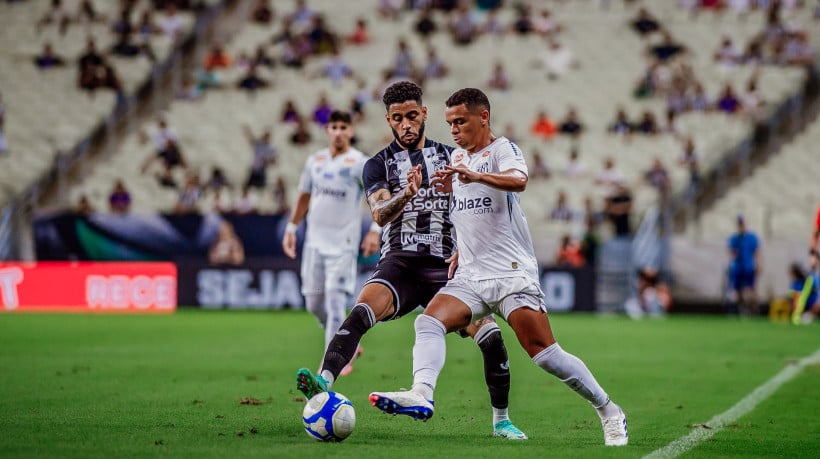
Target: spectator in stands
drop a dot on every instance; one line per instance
(217, 58)
(361, 33)
(290, 114)
(743, 267)
(522, 25)
(403, 62)
(799, 51)
(322, 110)
(539, 169)
(658, 178)
(610, 178)
(119, 200)
(569, 254)
(90, 63)
(301, 135)
(170, 23)
(425, 25)
(464, 28)
(251, 81)
(621, 124)
(227, 248)
(590, 241)
(302, 15)
(617, 208)
(752, 102)
(728, 102)
(188, 89)
(575, 167)
(217, 180)
(389, 9)
(264, 155)
(84, 206)
(146, 28)
(667, 48)
(647, 124)
(699, 101)
(280, 196)
(165, 178)
(189, 195)
(322, 39)
(499, 79)
(561, 211)
(220, 201)
(545, 24)
(492, 24)
(435, 67)
(543, 126)
(47, 59)
(56, 14)
(336, 69)
(169, 155)
(262, 59)
(645, 24)
(557, 60)
(754, 53)
(728, 55)
(293, 53)
(262, 12)
(246, 203)
(571, 125)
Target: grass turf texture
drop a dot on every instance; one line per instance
(146, 386)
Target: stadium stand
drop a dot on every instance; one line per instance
(611, 60)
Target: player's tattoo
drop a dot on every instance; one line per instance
(384, 207)
(483, 321)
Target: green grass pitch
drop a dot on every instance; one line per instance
(149, 386)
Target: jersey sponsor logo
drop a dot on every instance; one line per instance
(320, 158)
(438, 164)
(344, 173)
(350, 160)
(325, 191)
(428, 199)
(484, 168)
(457, 158)
(415, 238)
(328, 175)
(476, 206)
(486, 153)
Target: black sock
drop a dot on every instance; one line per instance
(343, 346)
(496, 366)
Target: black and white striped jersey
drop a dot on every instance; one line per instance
(424, 227)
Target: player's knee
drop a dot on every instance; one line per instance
(360, 319)
(425, 324)
(487, 331)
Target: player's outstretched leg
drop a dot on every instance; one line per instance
(406, 402)
(310, 384)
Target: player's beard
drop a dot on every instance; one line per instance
(410, 146)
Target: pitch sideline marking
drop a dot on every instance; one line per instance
(747, 404)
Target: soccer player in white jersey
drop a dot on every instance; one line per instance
(497, 271)
(417, 246)
(330, 194)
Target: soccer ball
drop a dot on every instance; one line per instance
(329, 416)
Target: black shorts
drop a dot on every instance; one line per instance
(413, 280)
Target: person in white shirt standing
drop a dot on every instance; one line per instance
(497, 270)
(330, 197)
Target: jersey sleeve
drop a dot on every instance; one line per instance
(509, 156)
(305, 182)
(374, 175)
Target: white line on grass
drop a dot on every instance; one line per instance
(717, 423)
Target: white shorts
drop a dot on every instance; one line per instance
(500, 296)
(322, 273)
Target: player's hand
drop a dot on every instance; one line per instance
(465, 175)
(442, 181)
(289, 244)
(413, 181)
(453, 260)
(370, 244)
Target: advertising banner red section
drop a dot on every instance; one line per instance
(88, 287)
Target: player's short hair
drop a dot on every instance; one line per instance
(402, 91)
(472, 98)
(340, 116)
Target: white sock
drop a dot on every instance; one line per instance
(335, 307)
(574, 373)
(500, 414)
(328, 376)
(429, 353)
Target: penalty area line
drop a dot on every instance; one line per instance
(747, 404)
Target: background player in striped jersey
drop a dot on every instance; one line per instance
(330, 196)
(417, 245)
(497, 272)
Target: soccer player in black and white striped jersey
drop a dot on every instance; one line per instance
(417, 249)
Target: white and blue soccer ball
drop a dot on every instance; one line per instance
(329, 416)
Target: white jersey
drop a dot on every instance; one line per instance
(334, 218)
(492, 235)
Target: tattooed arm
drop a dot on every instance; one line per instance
(385, 207)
